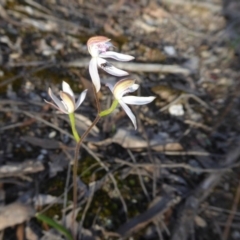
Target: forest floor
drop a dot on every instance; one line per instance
(177, 176)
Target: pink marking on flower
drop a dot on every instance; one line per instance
(98, 47)
(98, 44)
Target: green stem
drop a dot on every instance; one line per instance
(109, 110)
(73, 126)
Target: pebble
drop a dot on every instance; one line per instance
(52, 134)
(176, 110)
(170, 51)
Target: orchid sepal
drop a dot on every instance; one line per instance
(129, 112)
(93, 71)
(109, 68)
(134, 100)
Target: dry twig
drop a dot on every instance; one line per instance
(231, 216)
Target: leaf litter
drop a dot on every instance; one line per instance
(170, 179)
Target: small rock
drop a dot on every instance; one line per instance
(176, 110)
(170, 51)
(52, 134)
(205, 54)
(200, 222)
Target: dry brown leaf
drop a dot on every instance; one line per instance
(27, 167)
(44, 199)
(159, 142)
(42, 142)
(15, 213)
(129, 140)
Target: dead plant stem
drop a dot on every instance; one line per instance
(231, 216)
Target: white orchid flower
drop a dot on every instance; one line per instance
(67, 104)
(98, 48)
(127, 86)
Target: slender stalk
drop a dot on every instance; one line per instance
(76, 155)
(73, 126)
(79, 143)
(77, 149)
(109, 110)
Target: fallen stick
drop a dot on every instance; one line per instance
(27, 167)
(136, 67)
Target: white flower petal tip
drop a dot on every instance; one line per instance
(67, 103)
(81, 98)
(123, 87)
(133, 100)
(66, 88)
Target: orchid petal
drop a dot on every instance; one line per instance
(137, 100)
(94, 74)
(80, 99)
(93, 50)
(68, 102)
(109, 68)
(115, 71)
(59, 104)
(129, 112)
(116, 56)
(53, 105)
(66, 88)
